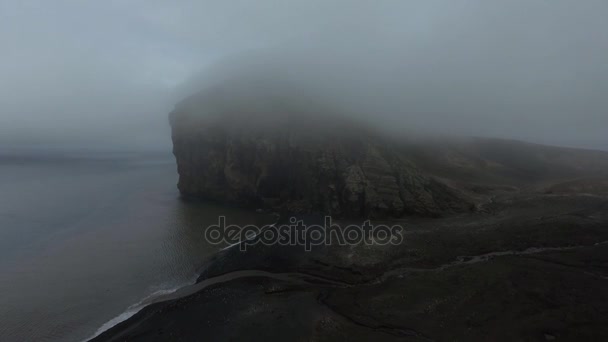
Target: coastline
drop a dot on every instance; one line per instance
(402, 292)
(162, 295)
(154, 297)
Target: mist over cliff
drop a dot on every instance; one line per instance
(468, 71)
(102, 73)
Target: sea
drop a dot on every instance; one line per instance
(88, 238)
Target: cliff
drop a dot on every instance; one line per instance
(296, 156)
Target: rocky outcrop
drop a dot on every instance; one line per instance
(276, 155)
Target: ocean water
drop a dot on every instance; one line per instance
(86, 241)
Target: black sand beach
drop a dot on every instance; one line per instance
(506, 273)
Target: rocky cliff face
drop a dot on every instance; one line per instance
(279, 156)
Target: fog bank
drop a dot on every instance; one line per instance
(107, 73)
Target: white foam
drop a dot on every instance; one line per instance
(152, 298)
(133, 309)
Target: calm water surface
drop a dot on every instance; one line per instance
(85, 242)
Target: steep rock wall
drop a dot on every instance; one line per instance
(299, 163)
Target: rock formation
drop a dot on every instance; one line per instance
(296, 156)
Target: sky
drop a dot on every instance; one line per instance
(107, 73)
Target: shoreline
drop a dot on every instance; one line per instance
(460, 266)
(162, 295)
(133, 309)
(196, 286)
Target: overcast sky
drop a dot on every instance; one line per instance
(104, 73)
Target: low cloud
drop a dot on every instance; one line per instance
(107, 73)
